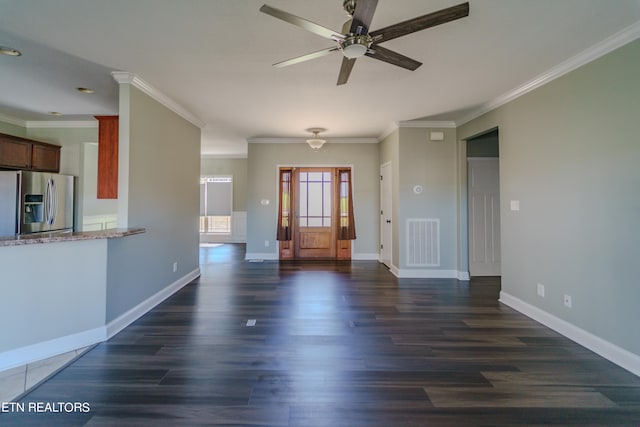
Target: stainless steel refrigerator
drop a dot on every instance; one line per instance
(35, 202)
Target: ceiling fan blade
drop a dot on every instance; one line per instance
(394, 58)
(420, 23)
(306, 57)
(363, 15)
(345, 70)
(302, 23)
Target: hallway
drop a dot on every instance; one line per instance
(335, 344)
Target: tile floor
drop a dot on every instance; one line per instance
(16, 381)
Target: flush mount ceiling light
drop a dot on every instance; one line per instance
(316, 143)
(4, 50)
(55, 113)
(85, 90)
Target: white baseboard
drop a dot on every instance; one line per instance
(394, 270)
(411, 273)
(43, 350)
(261, 256)
(463, 275)
(609, 351)
(365, 257)
(125, 319)
(46, 349)
(428, 274)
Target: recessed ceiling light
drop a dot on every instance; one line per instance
(85, 90)
(9, 51)
(55, 113)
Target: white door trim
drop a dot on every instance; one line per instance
(386, 214)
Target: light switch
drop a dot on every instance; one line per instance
(515, 205)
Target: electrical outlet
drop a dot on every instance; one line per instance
(541, 290)
(567, 301)
(175, 267)
(266, 243)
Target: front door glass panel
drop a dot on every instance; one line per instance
(315, 199)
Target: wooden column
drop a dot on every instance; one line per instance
(107, 157)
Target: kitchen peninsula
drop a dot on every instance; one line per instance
(55, 292)
(39, 238)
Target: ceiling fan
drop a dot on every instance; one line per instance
(356, 40)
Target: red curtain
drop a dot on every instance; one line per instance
(284, 206)
(347, 229)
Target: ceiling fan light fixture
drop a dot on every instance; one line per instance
(355, 46)
(316, 143)
(354, 51)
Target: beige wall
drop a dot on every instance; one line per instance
(416, 160)
(11, 129)
(569, 152)
(161, 187)
(263, 162)
(432, 165)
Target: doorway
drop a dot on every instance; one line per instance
(385, 214)
(315, 234)
(483, 185)
(317, 205)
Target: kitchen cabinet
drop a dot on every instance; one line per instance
(45, 158)
(26, 154)
(108, 128)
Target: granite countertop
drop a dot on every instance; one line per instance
(69, 236)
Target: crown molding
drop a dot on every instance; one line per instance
(388, 131)
(62, 124)
(415, 124)
(138, 83)
(12, 121)
(287, 140)
(123, 77)
(427, 124)
(617, 40)
(34, 124)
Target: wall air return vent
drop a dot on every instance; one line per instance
(423, 242)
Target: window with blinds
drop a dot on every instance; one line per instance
(216, 204)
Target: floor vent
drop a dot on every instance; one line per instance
(423, 242)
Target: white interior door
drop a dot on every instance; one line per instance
(484, 216)
(385, 214)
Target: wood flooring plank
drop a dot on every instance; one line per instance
(517, 398)
(335, 344)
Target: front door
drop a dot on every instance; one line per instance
(315, 231)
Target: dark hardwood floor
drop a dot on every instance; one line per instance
(335, 344)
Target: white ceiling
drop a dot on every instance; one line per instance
(213, 57)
